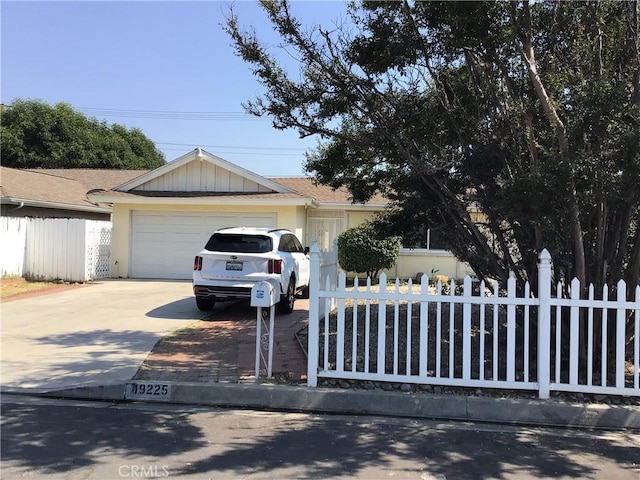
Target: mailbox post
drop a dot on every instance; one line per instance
(264, 295)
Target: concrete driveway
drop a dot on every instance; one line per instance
(95, 334)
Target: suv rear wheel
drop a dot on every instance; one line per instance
(285, 305)
(204, 304)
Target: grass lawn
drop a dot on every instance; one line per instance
(11, 287)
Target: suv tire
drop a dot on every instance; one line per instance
(204, 304)
(285, 305)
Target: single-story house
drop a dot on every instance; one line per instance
(162, 218)
(57, 193)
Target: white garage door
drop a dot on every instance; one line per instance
(163, 245)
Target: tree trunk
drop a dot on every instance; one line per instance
(526, 49)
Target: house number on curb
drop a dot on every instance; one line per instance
(147, 391)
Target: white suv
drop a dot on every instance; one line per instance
(235, 258)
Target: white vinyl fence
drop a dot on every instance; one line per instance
(475, 335)
(74, 250)
(14, 238)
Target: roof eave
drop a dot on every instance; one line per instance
(212, 200)
(353, 206)
(54, 205)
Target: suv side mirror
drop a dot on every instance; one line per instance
(306, 250)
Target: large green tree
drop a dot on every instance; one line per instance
(507, 127)
(38, 135)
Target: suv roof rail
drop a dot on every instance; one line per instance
(257, 228)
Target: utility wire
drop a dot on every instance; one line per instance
(252, 154)
(233, 146)
(178, 115)
(169, 114)
(164, 114)
(208, 116)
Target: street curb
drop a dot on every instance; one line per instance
(113, 392)
(369, 402)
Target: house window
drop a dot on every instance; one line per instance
(429, 240)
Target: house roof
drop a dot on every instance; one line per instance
(93, 178)
(198, 170)
(62, 189)
(323, 194)
(92, 189)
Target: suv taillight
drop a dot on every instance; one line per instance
(197, 263)
(275, 266)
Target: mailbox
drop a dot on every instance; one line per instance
(264, 294)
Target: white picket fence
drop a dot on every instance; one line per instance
(481, 336)
(69, 249)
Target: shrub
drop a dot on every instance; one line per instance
(361, 250)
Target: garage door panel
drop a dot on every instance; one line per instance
(163, 244)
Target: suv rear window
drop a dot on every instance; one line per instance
(238, 243)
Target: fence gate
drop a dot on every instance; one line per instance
(98, 250)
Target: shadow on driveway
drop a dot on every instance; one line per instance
(106, 341)
(183, 309)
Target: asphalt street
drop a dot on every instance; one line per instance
(46, 438)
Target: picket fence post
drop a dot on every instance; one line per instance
(544, 324)
(313, 329)
(620, 334)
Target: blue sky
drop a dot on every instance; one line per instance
(133, 63)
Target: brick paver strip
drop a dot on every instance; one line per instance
(222, 348)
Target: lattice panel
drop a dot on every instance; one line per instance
(99, 253)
